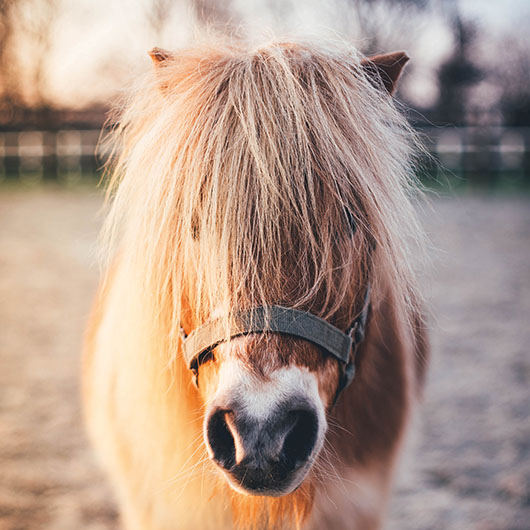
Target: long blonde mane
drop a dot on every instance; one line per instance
(238, 173)
(246, 177)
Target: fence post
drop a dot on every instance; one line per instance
(49, 160)
(526, 154)
(11, 159)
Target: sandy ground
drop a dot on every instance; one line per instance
(468, 461)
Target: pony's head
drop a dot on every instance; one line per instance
(275, 176)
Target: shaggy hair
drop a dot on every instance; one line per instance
(246, 177)
(272, 175)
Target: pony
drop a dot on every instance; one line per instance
(246, 178)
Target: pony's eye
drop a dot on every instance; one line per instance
(351, 220)
(205, 357)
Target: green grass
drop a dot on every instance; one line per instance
(37, 180)
(444, 182)
(459, 183)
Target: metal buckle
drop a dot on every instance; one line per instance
(353, 330)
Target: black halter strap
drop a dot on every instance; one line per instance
(199, 344)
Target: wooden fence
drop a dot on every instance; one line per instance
(69, 155)
(481, 154)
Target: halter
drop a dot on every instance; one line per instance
(198, 345)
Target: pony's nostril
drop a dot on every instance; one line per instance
(301, 436)
(263, 455)
(220, 439)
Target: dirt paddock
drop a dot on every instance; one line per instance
(468, 461)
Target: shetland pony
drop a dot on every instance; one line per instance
(246, 178)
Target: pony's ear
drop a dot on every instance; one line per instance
(385, 68)
(160, 56)
(160, 59)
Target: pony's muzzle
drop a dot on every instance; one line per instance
(263, 456)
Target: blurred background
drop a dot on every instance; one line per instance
(64, 63)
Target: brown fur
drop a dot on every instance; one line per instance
(234, 171)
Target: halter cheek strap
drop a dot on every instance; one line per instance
(199, 344)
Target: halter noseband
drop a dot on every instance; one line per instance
(199, 344)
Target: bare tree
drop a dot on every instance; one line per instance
(9, 89)
(26, 26)
(158, 13)
(457, 75)
(36, 18)
(512, 76)
(383, 24)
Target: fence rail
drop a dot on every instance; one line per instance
(50, 155)
(477, 152)
(473, 152)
